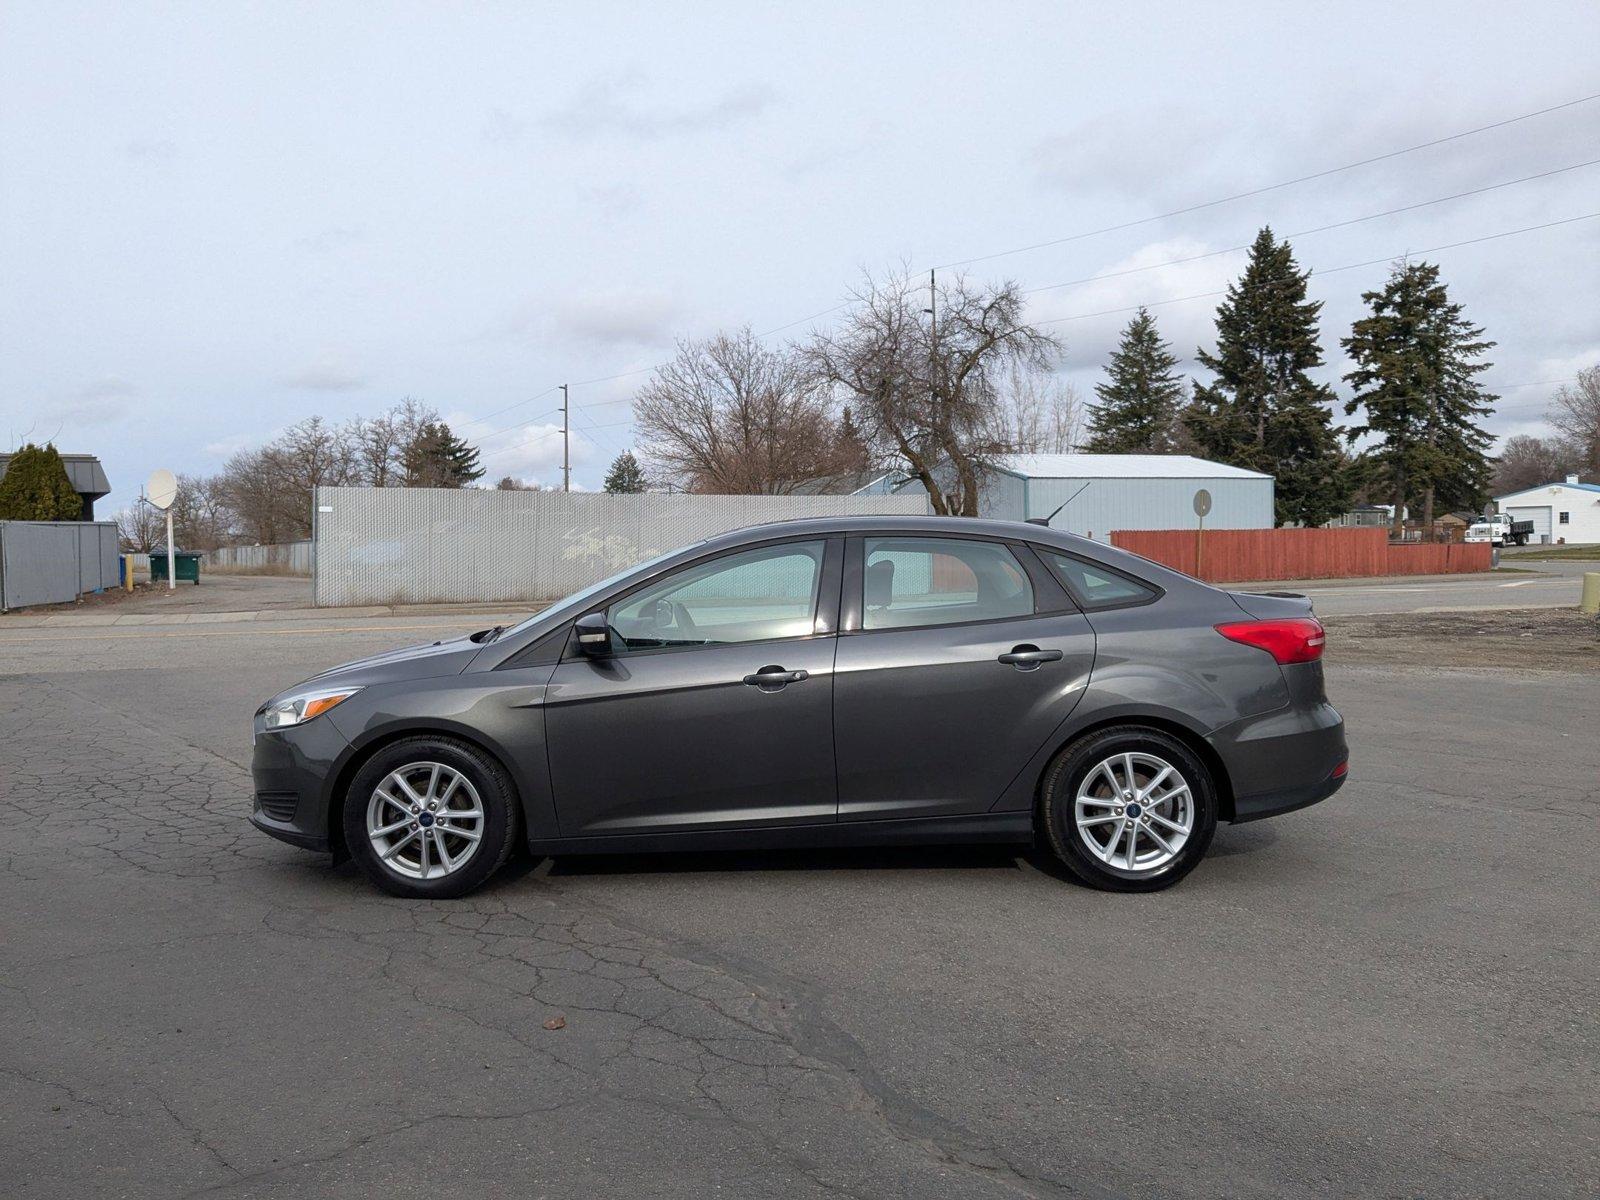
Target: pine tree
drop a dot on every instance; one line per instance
(1262, 411)
(35, 487)
(625, 475)
(1417, 358)
(1138, 409)
(436, 457)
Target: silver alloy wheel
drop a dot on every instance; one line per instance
(1134, 812)
(425, 820)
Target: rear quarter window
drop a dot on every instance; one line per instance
(1095, 586)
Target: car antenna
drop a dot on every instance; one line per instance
(1045, 521)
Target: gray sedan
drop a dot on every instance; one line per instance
(821, 683)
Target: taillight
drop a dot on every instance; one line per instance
(1290, 640)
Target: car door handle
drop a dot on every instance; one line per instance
(1028, 658)
(770, 679)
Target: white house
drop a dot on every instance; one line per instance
(1567, 511)
(1095, 494)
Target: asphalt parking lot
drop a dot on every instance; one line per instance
(1392, 993)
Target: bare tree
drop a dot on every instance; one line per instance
(201, 517)
(141, 527)
(1038, 413)
(926, 390)
(729, 415)
(379, 443)
(1527, 462)
(1577, 415)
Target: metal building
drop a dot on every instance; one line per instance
(1099, 493)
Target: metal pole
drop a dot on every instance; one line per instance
(566, 441)
(1199, 542)
(172, 575)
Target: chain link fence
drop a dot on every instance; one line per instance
(438, 546)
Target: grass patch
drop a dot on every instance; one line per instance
(1560, 554)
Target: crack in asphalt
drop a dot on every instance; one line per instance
(654, 1024)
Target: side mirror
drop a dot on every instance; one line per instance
(594, 635)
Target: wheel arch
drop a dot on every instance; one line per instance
(362, 754)
(1194, 741)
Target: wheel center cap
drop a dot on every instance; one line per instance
(1134, 810)
(425, 819)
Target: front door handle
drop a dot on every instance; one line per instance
(772, 679)
(1028, 658)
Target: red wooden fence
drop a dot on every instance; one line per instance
(1241, 555)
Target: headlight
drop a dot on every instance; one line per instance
(301, 707)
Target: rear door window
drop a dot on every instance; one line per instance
(915, 581)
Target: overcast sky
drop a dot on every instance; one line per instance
(219, 218)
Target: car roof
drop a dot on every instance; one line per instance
(896, 523)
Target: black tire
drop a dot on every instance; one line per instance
(502, 818)
(1069, 769)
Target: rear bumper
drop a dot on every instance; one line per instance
(1284, 760)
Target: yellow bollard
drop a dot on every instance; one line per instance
(1591, 592)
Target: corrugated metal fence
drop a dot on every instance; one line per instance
(291, 558)
(52, 562)
(432, 546)
(1239, 555)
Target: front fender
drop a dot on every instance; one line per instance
(502, 713)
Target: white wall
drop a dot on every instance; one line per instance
(1581, 505)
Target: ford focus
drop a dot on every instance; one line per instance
(854, 681)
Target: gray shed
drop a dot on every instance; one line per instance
(1106, 492)
(87, 475)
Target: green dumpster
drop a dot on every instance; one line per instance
(185, 564)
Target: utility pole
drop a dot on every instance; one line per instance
(566, 441)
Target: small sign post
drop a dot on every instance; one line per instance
(161, 491)
(1202, 505)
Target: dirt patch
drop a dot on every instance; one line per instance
(1531, 639)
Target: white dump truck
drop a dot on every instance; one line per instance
(1500, 530)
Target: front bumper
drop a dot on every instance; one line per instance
(293, 770)
(1283, 760)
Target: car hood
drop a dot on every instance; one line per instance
(449, 656)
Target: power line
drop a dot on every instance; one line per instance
(1388, 212)
(1107, 312)
(1271, 187)
(1148, 220)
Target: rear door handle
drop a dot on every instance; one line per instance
(770, 679)
(1028, 658)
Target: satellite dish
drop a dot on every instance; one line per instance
(1202, 502)
(162, 489)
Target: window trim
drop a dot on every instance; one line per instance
(1155, 590)
(824, 614)
(852, 612)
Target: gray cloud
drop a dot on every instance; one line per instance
(325, 241)
(324, 377)
(102, 402)
(605, 106)
(157, 150)
(618, 319)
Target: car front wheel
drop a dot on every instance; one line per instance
(430, 818)
(1128, 809)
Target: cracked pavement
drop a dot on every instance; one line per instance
(1392, 993)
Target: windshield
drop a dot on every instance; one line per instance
(578, 599)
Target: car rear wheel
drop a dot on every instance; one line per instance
(1128, 809)
(430, 818)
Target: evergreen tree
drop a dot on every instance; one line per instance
(1262, 411)
(1138, 409)
(436, 457)
(625, 475)
(1417, 359)
(35, 487)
